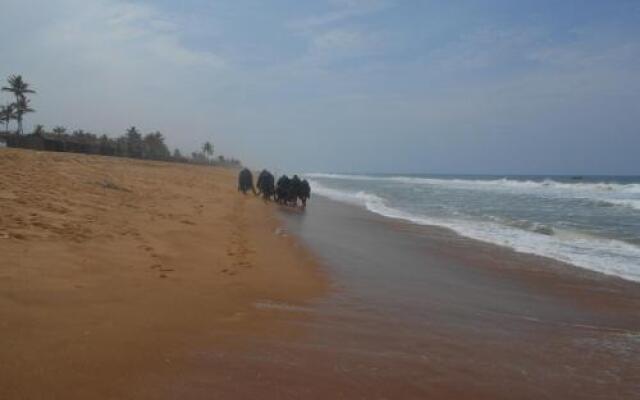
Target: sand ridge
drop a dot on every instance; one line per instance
(111, 270)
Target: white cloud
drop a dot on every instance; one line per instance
(333, 36)
(342, 10)
(103, 65)
(334, 77)
(99, 27)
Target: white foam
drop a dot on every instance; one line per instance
(615, 194)
(635, 204)
(356, 198)
(611, 257)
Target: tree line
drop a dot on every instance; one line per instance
(132, 143)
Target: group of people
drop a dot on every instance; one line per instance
(286, 191)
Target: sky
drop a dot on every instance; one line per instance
(395, 86)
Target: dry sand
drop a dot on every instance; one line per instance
(113, 270)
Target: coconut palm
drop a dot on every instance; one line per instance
(22, 107)
(59, 130)
(207, 148)
(19, 88)
(7, 113)
(39, 130)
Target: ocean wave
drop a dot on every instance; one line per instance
(612, 257)
(359, 198)
(604, 194)
(635, 204)
(606, 187)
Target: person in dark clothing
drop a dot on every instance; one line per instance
(304, 193)
(245, 181)
(266, 185)
(282, 189)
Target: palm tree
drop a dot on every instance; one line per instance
(39, 130)
(19, 88)
(7, 113)
(59, 130)
(207, 148)
(22, 107)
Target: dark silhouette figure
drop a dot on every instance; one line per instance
(282, 189)
(245, 181)
(304, 193)
(289, 190)
(266, 184)
(295, 186)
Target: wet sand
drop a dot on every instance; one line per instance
(442, 315)
(419, 312)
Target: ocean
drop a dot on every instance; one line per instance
(591, 222)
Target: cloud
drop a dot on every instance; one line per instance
(119, 27)
(342, 10)
(333, 37)
(343, 80)
(103, 65)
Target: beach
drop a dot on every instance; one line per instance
(114, 271)
(137, 279)
(421, 312)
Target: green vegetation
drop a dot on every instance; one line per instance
(207, 149)
(131, 144)
(19, 88)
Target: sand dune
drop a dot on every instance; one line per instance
(112, 270)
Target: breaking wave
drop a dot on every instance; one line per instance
(609, 256)
(604, 193)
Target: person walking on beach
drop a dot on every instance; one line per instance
(245, 181)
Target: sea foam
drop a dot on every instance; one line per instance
(612, 194)
(612, 257)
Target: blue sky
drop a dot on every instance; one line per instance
(345, 85)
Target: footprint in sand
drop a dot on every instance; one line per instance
(228, 271)
(149, 250)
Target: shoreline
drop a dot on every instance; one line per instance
(259, 300)
(531, 234)
(115, 271)
(422, 312)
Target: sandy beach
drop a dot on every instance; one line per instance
(331, 200)
(147, 280)
(113, 270)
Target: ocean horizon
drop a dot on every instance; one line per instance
(590, 221)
